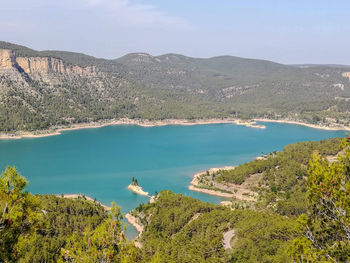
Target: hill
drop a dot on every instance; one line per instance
(46, 89)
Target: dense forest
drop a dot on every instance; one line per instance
(301, 215)
(279, 177)
(47, 228)
(171, 86)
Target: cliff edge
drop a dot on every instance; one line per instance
(41, 65)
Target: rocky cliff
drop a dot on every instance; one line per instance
(41, 65)
(7, 59)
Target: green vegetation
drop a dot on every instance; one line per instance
(50, 229)
(62, 218)
(20, 213)
(134, 182)
(282, 186)
(294, 155)
(326, 226)
(208, 187)
(105, 243)
(240, 173)
(140, 86)
(182, 229)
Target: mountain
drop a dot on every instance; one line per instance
(45, 89)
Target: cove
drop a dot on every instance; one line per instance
(101, 162)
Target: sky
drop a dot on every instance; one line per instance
(285, 31)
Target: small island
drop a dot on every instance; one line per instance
(134, 187)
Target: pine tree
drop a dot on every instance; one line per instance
(20, 214)
(326, 228)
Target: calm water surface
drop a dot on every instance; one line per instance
(101, 162)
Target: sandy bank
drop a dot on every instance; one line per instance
(137, 190)
(195, 183)
(73, 196)
(138, 226)
(249, 124)
(314, 126)
(143, 123)
(146, 123)
(134, 222)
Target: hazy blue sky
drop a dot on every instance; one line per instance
(293, 31)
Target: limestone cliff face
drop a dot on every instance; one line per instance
(41, 65)
(46, 65)
(346, 75)
(7, 59)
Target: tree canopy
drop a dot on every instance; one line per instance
(326, 226)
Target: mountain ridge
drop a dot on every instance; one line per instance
(25, 51)
(50, 88)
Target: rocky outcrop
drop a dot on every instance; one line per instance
(137, 190)
(46, 65)
(41, 65)
(7, 59)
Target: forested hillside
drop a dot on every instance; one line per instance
(279, 177)
(46, 89)
(47, 228)
(182, 229)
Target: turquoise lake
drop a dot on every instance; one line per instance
(101, 162)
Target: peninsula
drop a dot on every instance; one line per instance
(206, 182)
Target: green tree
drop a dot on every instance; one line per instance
(62, 217)
(20, 213)
(105, 244)
(326, 228)
(134, 181)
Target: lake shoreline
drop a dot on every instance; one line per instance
(146, 123)
(132, 220)
(194, 183)
(138, 190)
(125, 121)
(314, 126)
